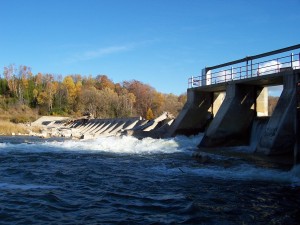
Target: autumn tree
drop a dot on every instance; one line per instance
(109, 103)
(25, 76)
(144, 95)
(88, 82)
(18, 81)
(182, 98)
(126, 101)
(171, 104)
(70, 88)
(11, 78)
(75, 94)
(3, 87)
(45, 96)
(89, 99)
(76, 78)
(149, 115)
(119, 89)
(102, 81)
(157, 103)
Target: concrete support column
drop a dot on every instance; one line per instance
(297, 122)
(279, 134)
(232, 123)
(297, 144)
(262, 103)
(218, 100)
(195, 114)
(206, 77)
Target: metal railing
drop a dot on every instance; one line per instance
(248, 67)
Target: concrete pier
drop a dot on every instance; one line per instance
(279, 135)
(232, 123)
(195, 115)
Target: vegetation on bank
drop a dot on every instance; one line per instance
(49, 94)
(16, 119)
(8, 128)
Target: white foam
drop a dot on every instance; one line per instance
(114, 144)
(3, 145)
(128, 144)
(242, 172)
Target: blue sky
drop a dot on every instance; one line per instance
(159, 42)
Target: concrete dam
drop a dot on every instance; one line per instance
(229, 103)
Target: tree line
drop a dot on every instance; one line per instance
(76, 94)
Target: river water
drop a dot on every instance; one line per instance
(123, 180)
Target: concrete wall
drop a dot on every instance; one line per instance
(232, 123)
(218, 100)
(262, 103)
(279, 134)
(297, 125)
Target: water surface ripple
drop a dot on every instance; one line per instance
(128, 182)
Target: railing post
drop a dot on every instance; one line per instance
(192, 81)
(203, 76)
(247, 68)
(231, 72)
(206, 76)
(251, 68)
(240, 72)
(292, 59)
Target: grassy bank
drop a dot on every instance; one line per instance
(14, 118)
(8, 128)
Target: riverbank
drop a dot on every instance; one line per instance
(9, 128)
(36, 128)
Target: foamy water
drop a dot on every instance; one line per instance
(149, 146)
(122, 144)
(123, 180)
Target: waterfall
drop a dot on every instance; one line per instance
(258, 126)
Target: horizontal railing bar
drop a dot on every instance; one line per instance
(248, 58)
(255, 64)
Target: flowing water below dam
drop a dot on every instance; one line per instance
(123, 180)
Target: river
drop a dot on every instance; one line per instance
(123, 180)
